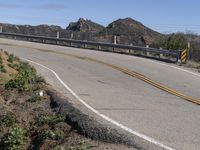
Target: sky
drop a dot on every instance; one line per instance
(165, 16)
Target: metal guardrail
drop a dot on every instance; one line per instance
(97, 45)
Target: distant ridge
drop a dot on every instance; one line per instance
(127, 30)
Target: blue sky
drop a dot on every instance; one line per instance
(162, 15)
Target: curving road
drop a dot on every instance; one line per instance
(135, 104)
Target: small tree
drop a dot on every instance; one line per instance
(176, 42)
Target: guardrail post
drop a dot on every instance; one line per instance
(72, 35)
(99, 47)
(188, 51)
(147, 53)
(161, 54)
(58, 36)
(115, 39)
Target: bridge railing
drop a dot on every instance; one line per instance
(168, 55)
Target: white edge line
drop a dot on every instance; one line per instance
(174, 67)
(151, 140)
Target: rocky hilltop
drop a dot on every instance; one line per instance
(83, 25)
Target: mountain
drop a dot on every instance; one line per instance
(129, 31)
(83, 25)
(40, 30)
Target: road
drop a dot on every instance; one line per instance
(135, 104)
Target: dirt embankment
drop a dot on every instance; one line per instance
(28, 116)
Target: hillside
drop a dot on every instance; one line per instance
(128, 30)
(42, 30)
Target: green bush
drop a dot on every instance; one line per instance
(176, 41)
(14, 140)
(2, 68)
(11, 58)
(58, 147)
(25, 78)
(34, 98)
(8, 120)
(48, 134)
(48, 119)
(1, 61)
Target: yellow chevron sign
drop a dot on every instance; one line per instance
(184, 56)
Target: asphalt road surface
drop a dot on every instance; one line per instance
(141, 107)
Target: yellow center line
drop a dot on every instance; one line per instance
(130, 73)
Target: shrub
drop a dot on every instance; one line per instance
(58, 147)
(48, 134)
(8, 120)
(34, 98)
(47, 119)
(176, 41)
(14, 140)
(11, 58)
(24, 79)
(1, 61)
(2, 68)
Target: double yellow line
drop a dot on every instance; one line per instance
(149, 81)
(135, 75)
(131, 73)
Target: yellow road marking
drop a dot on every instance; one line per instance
(138, 76)
(130, 73)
